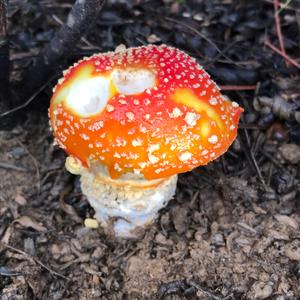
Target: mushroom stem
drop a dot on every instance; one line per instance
(123, 205)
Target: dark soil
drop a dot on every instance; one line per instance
(232, 231)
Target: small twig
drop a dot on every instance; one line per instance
(4, 57)
(278, 27)
(199, 34)
(257, 169)
(285, 5)
(272, 160)
(285, 56)
(250, 126)
(206, 292)
(33, 259)
(49, 173)
(36, 164)
(238, 87)
(220, 54)
(8, 112)
(4, 165)
(8, 273)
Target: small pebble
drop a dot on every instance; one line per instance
(292, 252)
(291, 153)
(261, 290)
(152, 38)
(198, 17)
(217, 239)
(91, 223)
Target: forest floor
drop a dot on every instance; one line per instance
(232, 230)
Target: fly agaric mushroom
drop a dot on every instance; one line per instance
(131, 120)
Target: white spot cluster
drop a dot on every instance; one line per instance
(153, 159)
(109, 108)
(137, 142)
(213, 101)
(130, 116)
(213, 139)
(191, 118)
(176, 112)
(153, 148)
(184, 156)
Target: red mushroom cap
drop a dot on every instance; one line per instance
(173, 122)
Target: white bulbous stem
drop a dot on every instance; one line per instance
(125, 205)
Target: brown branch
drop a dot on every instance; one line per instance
(278, 28)
(3, 23)
(238, 87)
(81, 17)
(4, 57)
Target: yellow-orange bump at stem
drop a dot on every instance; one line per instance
(138, 115)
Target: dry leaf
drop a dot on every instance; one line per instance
(25, 221)
(20, 199)
(292, 252)
(287, 221)
(6, 236)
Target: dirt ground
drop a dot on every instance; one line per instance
(232, 230)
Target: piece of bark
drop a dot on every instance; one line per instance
(81, 17)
